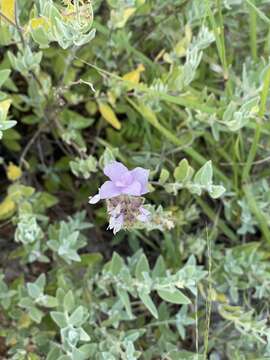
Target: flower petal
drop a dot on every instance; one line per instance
(133, 189)
(144, 215)
(108, 190)
(94, 199)
(125, 180)
(115, 170)
(141, 175)
(116, 223)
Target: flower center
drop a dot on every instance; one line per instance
(124, 180)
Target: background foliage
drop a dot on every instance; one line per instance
(178, 87)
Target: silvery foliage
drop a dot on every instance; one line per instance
(243, 109)
(32, 298)
(194, 54)
(4, 123)
(196, 183)
(82, 334)
(242, 268)
(83, 167)
(75, 32)
(25, 60)
(65, 238)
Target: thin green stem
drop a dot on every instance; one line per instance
(257, 212)
(209, 295)
(264, 94)
(151, 118)
(218, 29)
(254, 208)
(253, 32)
(179, 100)
(260, 14)
(258, 129)
(222, 40)
(213, 217)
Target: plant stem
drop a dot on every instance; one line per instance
(174, 140)
(258, 12)
(253, 32)
(174, 99)
(258, 129)
(257, 212)
(209, 295)
(220, 223)
(218, 29)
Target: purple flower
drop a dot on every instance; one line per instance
(122, 182)
(144, 215)
(116, 223)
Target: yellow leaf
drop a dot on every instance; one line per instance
(111, 97)
(128, 12)
(134, 76)
(8, 9)
(7, 208)
(12, 341)
(180, 48)
(119, 18)
(4, 106)
(167, 58)
(39, 22)
(109, 115)
(222, 298)
(13, 172)
(24, 321)
(219, 297)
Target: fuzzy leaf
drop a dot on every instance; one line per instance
(109, 115)
(174, 296)
(142, 266)
(146, 299)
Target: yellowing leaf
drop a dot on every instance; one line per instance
(7, 208)
(13, 172)
(17, 192)
(12, 341)
(128, 12)
(4, 106)
(24, 321)
(222, 298)
(109, 115)
(84, 11)
(167, 58)
(111, 97)
(8, 9)
(119, 18)
(134, 76)
(39, 22)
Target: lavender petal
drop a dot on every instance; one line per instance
(108, 190)
(133, 189)
(144, 215)
(94, 199)
(115, 171)
(116, 223)
(141, 175)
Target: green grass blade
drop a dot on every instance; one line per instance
(152, 119)
(257, 212)
(258, 129)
